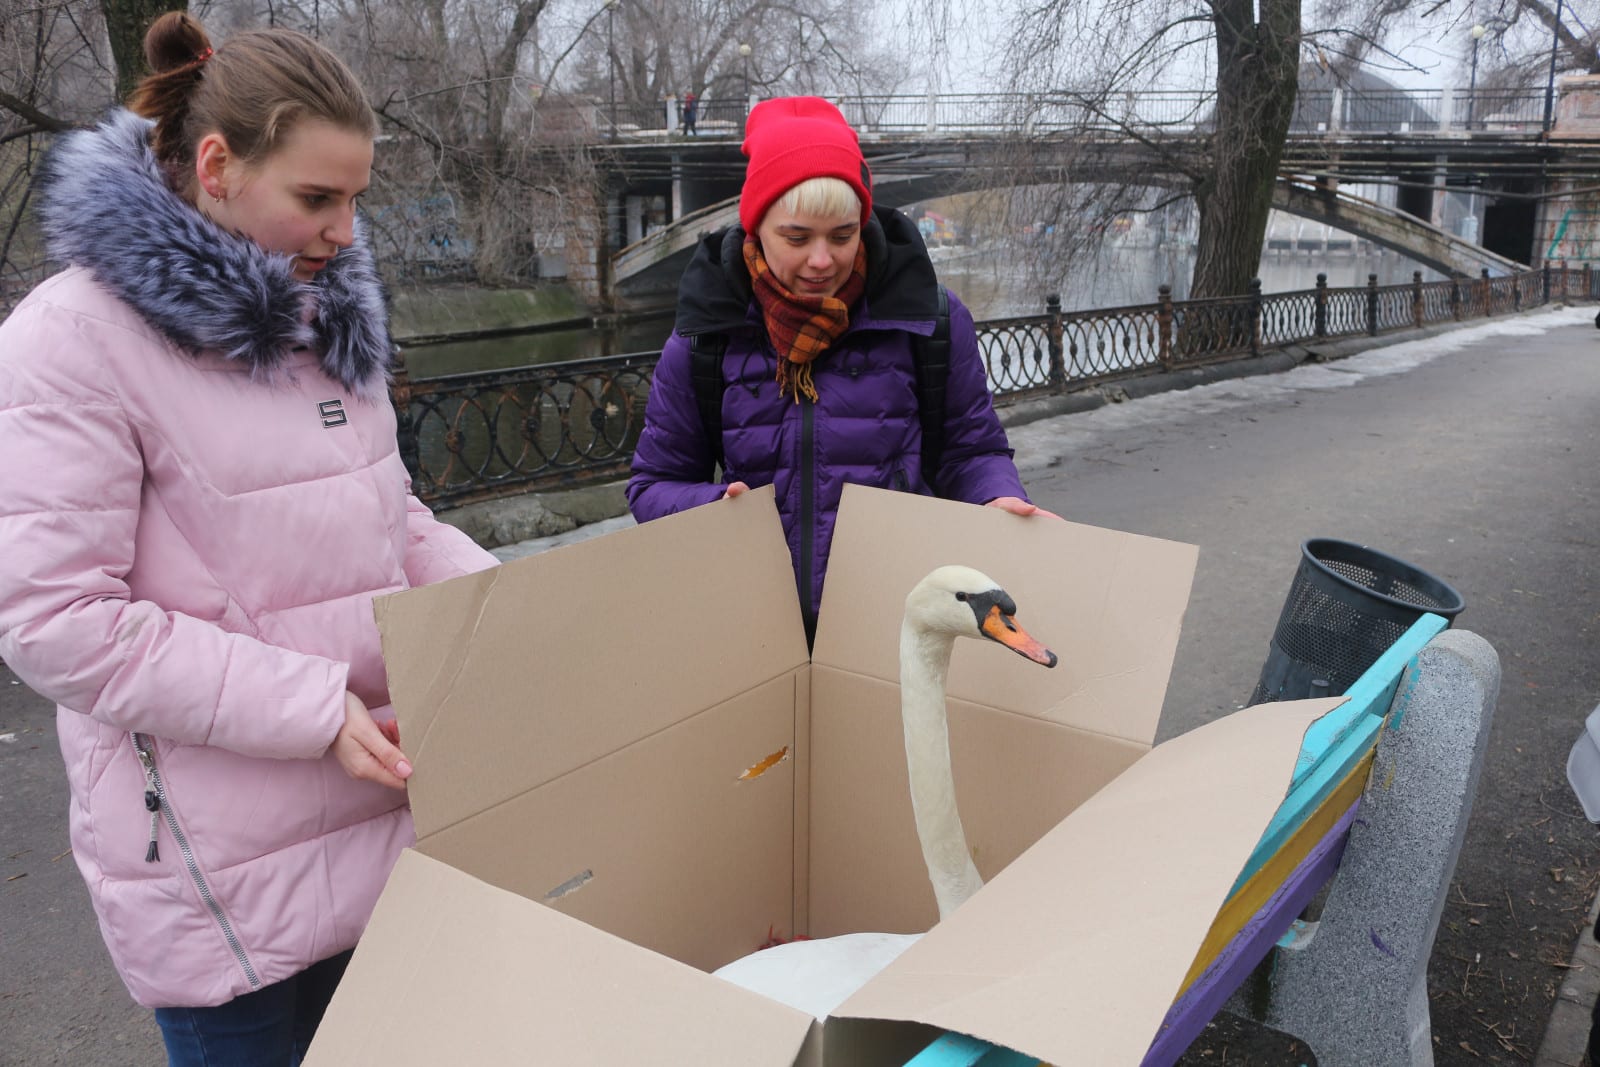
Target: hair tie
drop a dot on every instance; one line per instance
(203, 56)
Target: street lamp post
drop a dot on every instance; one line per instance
(744, 52)
(1472, 86)
(1550, 84)
(611, 62)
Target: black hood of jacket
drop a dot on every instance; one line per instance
(714, 295)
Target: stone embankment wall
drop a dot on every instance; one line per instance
(451, 310)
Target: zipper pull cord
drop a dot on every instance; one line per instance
(152, 803)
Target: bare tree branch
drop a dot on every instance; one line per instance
(41, 122)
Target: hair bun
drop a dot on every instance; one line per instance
(174, 40)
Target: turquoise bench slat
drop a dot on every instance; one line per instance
(1338, 741)
(959, 1050)
(1369, 693)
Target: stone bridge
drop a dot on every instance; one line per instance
(1501, 145)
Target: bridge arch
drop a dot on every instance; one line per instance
(648, 270)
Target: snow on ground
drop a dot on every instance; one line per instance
(1046, 442)
(507, 553)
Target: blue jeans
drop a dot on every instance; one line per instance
(271, 1027)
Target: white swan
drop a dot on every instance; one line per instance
(818, 976)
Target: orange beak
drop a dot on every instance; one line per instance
(998, 626)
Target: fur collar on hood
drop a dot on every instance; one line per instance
(106, 206)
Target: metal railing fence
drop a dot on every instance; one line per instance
(468, 437)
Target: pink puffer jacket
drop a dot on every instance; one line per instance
(192, 546)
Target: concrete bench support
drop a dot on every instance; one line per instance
(1354, 986)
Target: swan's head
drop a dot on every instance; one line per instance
(967, 603)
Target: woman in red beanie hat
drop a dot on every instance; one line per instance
(817, 302)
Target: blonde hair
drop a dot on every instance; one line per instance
(252, 90)
(828, 197)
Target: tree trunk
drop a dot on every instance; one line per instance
(1258, 68)
(1581, 51)
(126, 22)
(502, 84)
(438, 29)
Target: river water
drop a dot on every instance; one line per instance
(990, 282)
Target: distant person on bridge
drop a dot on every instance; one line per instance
(691, 111)
(201, 497)
(810, 315)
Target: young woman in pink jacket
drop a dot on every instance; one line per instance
(200, 499)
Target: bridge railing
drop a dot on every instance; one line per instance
(722, 115)
(1499, 110)
(467, 437)
(1318, 112)
(1040, 112)
(1404, 111)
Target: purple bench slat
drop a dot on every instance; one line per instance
(1201, 1001)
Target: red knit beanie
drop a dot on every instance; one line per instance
(790, 140)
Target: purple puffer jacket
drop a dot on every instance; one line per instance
(864, 427)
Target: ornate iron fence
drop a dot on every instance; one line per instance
(470, 437)
(1108, 343)
(1289, 317)
(1205, 330)
(1021, 355)
(1392, 307)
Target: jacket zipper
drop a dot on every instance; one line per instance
(808, 517)
(155, 801)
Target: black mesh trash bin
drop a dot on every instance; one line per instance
(1347, 605)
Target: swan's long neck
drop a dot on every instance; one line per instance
(924, 662)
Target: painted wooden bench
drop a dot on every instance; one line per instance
(1376, 812)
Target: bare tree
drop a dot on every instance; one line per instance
(662, 48)
(1515, 48)
(490, 108)
(1258, 64)
(1221, 146)
(125, 22)
(1243, 59)
(56, 73)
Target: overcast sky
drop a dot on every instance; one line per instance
(1440, 47)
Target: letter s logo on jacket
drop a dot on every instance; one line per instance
(332, 412)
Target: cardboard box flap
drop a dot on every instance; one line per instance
(1074, 952)
(453, 970)
(1115, 600)
(507, 679)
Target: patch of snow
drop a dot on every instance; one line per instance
(1044, 443)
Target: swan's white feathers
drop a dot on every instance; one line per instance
(818, 976)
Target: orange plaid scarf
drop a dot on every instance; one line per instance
(802, 327)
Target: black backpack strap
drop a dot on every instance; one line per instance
(932, 358)
(705, 375)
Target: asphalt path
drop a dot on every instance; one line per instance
(1475, 456)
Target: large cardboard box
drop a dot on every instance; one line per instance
(630, 772)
